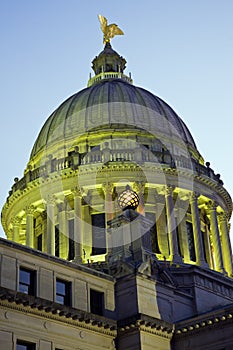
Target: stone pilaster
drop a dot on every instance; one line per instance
(171, 226)
(78, 225)
(63, 231)
(109, 212)
(161, 225)
(197, 234)
(30, 225)
(215, 237)
(16, 229)
(182, 207)
(51, 202)
(226, 244)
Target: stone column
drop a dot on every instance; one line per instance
(226, 244)
(30, 226)
(78, 226)
(51, 201)
(171, 226)
(63, 231)
(161, 225)
(197, 234)
(16, 226)
(215, 237)
(182, 207)
(109, 211)
(139, 188)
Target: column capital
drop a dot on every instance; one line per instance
(30, 209)
(16, 221)
(77, 191)
(51, 199)
(211, 206)
(222, 217)
(107, 188)
(169, 190)
(194, 196)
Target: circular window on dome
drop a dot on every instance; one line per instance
(128, 199)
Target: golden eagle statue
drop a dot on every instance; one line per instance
(109, 30)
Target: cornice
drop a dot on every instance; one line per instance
(47, 309)
(141, 322)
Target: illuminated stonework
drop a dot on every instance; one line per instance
(154, 272)
(115, 133)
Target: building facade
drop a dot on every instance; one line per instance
(118, 231)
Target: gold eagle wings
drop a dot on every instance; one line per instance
(109, 30)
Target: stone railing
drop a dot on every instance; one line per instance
(137, 155)
(109, 75)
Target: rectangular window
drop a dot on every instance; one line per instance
(98, 234)
(189, 227)
(63, 292)
(39, 242)
(22, 345)
(96, 302)
(153, 233)
(27, 281)
(71, 239)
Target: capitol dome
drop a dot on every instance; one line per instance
(101, 140)
(109, 103)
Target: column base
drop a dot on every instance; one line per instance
(203, 264)
(176, 259)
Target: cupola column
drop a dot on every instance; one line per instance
(215, 236)
(182, 206)
(226, 244)
(171, 226)
(51, 201)
(161, 225)
(78, 224)
(197, 234)
(30, 225)
(16, 226)
(63, 231)
(109, 210)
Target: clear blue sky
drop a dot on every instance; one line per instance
(181, 50)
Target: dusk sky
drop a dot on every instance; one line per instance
(180, 50)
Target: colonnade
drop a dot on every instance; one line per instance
(171, 217)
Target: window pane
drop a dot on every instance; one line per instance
(63, 292)
(61, 287)
(23, 288)
(60, 299)
(21, 345)
(27, 281)
(24, 276)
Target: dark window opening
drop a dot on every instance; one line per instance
(39, 242)
(179, 239)
(98, 234)
(191, 241)
(63, 292)
(22, 345)
(154, 235)
(27, 281)
(97, 302)
(57, 240)
(71, 240)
